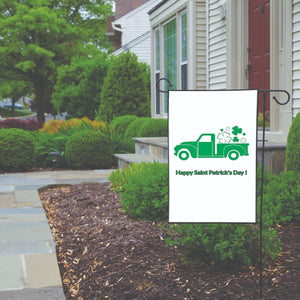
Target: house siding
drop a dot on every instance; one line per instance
(135, 25)
(140, 47)
(296, 57)
(216, 61)
(201, 73)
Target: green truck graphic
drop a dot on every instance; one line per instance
(206, 146)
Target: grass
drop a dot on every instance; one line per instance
(7, 113)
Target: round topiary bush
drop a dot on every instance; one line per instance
(120, 124)
(134, 127)
(293, 146)
(89, 150)
(154, 128)
(17, 150)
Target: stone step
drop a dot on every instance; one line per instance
(124, 160)
(155, 146)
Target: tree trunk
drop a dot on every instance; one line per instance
(40, 92)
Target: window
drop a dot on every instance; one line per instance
(171, 57)
(157, 69)
(183, 49)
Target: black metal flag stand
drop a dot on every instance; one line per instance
(264, 93)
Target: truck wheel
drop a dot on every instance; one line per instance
(184, 154)
(233, 155)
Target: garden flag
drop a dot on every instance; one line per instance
(212, 156)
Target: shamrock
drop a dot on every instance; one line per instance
(224, 137)
(235, 139)
(236, 130)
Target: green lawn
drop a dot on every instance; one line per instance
(7, 113)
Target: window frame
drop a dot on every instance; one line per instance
(157, 68)
(183, 63)
(165, 109)
(181, 82)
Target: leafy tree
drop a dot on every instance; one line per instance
(79, 85)
(126, 88)
(15, 90)
(37, 36)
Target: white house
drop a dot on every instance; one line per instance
(228, 44)
(129, 29)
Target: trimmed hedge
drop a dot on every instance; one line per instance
(120, 124)
(154, 128)
(89, 149)
(293, 146)
(17, 150)
(144, 190)
(134, 127)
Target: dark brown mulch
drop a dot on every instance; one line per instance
(103, 254)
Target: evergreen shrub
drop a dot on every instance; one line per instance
(120, 176)
(154, 128)
(144, 190)
(89, 149)
(282, 198)
(223, 245)
(121, 123)
(293, 146)
(17, 150)
(134, 127)
(126, 88)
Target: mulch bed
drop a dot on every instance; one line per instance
(103, 254)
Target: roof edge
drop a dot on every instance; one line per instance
(157, 6)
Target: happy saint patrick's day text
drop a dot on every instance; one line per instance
(211, 172)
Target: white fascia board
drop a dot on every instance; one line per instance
(167, 10)
(133, 43)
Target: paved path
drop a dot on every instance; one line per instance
(28, 265)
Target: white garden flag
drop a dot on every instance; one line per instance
(212, 156)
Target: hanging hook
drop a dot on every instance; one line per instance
(278, 91)
(157, 85)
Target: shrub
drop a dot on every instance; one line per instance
(119, 177)
(134, 127)
(126, 88)
(28, 124)
(223, 245)
(45, 144)
(282, 198)
(120, 124)
(71, 126)
(154, 128)
(145, 192)
(293, 146)
(17, 151)
(89, 149)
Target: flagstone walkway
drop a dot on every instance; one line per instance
(28, 265)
